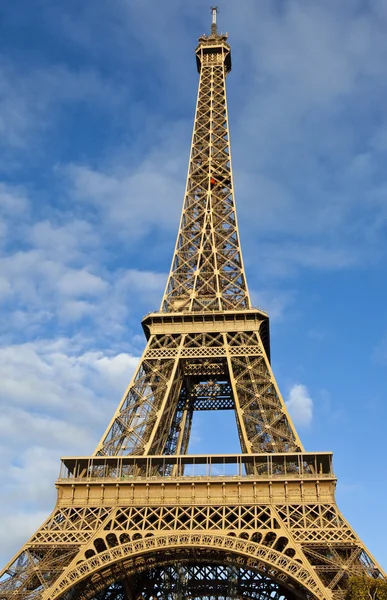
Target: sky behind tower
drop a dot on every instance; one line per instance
(96, 111)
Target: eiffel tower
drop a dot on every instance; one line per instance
(141, 518)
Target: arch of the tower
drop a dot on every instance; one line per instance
(172, 566)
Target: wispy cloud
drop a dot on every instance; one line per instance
(300, 405)
(33, 97)
(275, 302)
(52, 271)
(55, 399)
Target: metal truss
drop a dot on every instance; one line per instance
(280, 521)
(141, 519)
(183, 372)
(207, 271)
(206, 581)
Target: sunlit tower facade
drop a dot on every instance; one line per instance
(142, 518)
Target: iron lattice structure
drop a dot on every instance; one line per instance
(141, 518)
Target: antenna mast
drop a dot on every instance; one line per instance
(214, 11)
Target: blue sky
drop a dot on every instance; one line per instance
(96, 110)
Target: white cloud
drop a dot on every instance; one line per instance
(16, 528)
(274, 302)
(81, 283)
(42, 374)
(3, 231)
(64, 241)
(13, 200)
(113, 367)
(34, 280)
(59, 276)
(131, 203)
(72, 311)
(300, 405)
(5, 288)
(56, 399)
(143, 280)
(32, 95)
(285, 259)
(304, 167)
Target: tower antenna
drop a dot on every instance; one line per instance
(214, 11)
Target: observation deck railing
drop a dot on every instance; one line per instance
(262, 467)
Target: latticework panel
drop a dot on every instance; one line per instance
(288, 537)
(207, 581)
(328, 542)
(265, 419)
(207, 270)
(114, 559)
(316, 523)
(197, 518)
(180, 373)
(50, 550)
(134, 424)
(216, 571)
(35, 569)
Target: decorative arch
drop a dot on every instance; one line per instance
(102, 569)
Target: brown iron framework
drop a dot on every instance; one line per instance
(141, 518)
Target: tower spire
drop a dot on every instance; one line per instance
(207, 272)
(214, 28)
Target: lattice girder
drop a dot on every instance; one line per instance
(155, 414)
(284, 523)
(207, 270)
(207, 580)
